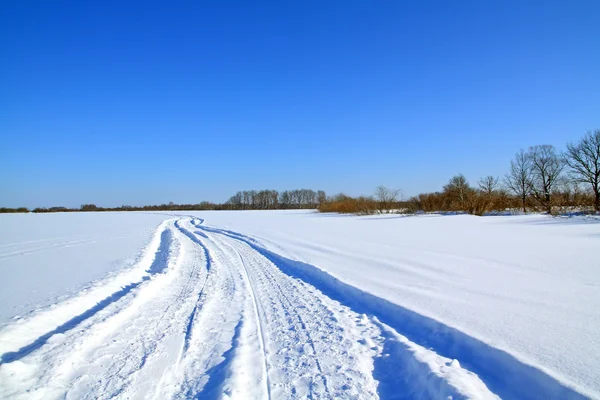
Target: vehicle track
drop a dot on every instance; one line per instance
(260, 324)
(307, 351)
(217, 318)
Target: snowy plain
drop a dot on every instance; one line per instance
(46, 256)
(294, 304)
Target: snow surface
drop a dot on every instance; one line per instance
(289, 304)
(46, 256)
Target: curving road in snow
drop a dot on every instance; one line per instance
(209, 313)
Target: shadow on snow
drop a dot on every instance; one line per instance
(70, 324)
(501, 372)
(217, 375)
(198, 306)
(158, 266)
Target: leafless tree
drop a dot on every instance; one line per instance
(246, 199)
(519, 179)
(458, 190)
(488, 185)
(321, 197)
(235, 201)
(266, 199)
(253, 199)
(486, 198)
(285, 199)
(273, 199)
(386, 197)
(583, 160)
(546, 167)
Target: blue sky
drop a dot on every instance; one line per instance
(142, 102)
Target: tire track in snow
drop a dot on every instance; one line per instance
(125, 344)
(214, 302)
(217, 331)
(437, 378)
(157, 266)
(259, 325)
(295, 362)
(291, 308)
(505, 374)
(208, 258)
(129, 339)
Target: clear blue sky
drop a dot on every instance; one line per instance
(139, 102)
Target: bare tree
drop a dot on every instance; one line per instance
(583, 160)
(273, 199)
(246, 199)
(253, 195)
(285, 199)
(546, 167)
(321, 197)
(266, 199)
(386, 197)
(458, 190)
(235, 201)
(519, 179)
(488, 185)
(486, 198)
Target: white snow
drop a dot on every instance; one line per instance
(44, 257)
(294, 304)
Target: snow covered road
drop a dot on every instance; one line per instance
(211, 313)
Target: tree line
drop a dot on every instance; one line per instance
(242, 200)
(539, 179)
(6, 210)
(274, 200)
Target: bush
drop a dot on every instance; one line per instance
(5, 210)
(349, 205)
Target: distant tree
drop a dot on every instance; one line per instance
(253, 199)
(488, 185)
(459, 191)
(546, 167)
(272, 198)
(88, 207)
(284, 199)
(321, 197)
(275, 199)
(487, 197)
(519, 177)
(342, 203)
(235, 201)
(6, 210)
(310, 198)
(246, 200)
(59, 209)
(583, 160)
(205, 205)
(366, 205)
(386, 197)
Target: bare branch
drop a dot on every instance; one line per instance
(583, 160)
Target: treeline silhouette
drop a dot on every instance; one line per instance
(539, 179)
(161, 207)
(5, 210)
(274, 200)
(242, 200)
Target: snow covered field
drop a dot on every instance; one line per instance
(296, 304)
(45, 256)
